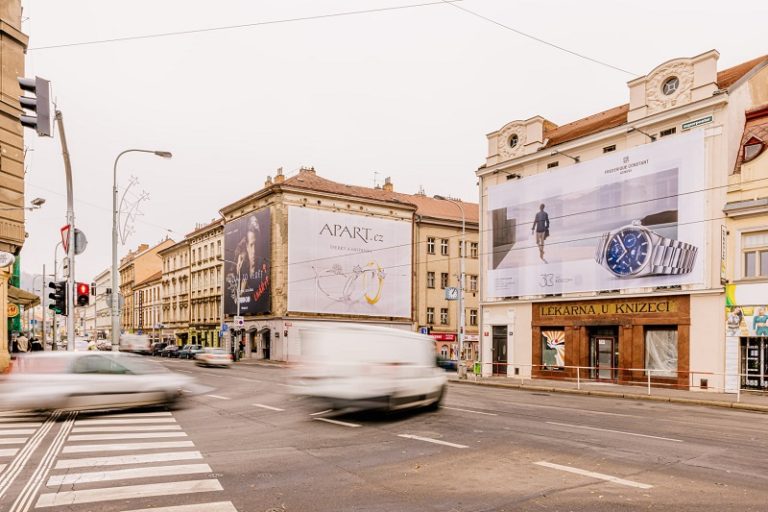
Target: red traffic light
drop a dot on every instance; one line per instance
(83, 292)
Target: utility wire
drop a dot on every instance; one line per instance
(537, 39)
(245, 25)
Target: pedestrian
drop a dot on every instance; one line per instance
(241, 347)
(35, 345)
(541, 227)
(22, 343)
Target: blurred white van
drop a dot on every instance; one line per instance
(135, 343)
(366, 367)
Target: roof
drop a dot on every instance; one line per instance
(424, 205)
(617, 116)
(154, 277)
(206, 227)
(755, 126)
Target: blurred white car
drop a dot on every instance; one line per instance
(213, 357)
(89, 380)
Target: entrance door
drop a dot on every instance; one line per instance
(499, 349)
(265, 338)
(604, 357)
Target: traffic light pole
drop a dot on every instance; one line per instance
(70, 236)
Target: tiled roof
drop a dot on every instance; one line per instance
(154, 277)
(617, 116)
(755, 126)
(424, 205)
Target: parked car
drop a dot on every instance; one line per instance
(158, 347)
(189, 351)
(170, 351)
(89, 380)
(446, 364)
(213, 357)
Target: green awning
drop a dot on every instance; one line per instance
(22, 297)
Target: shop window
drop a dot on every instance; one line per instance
(430, 245)
(443, 247)
(430, 279)
(430, 316)
(553, 349)
(443, 280)
(444, 316)
(661, 352)
(755, 254)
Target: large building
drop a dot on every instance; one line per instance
(604, 236)
(206, 264)
(13, 45)
(136, 267)
(103, 285)
(307, 249)
(147, 301)
(175, 292)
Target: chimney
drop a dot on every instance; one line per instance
(307, 170)
(279, 177)
(268, 182)
(388, 184)
(142, 247)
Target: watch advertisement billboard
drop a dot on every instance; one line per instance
(348, 264)
(629, 219)
(247, 264)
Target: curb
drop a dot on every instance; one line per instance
(610, 394)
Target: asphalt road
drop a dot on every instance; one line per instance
(247, 445)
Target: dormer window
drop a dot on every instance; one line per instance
(670, 85)
(752, 148)
(513, 140)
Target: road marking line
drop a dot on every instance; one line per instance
(137, 428)
(119, 474)
(126, 421)
(8, 452)
(25, 424)
(219, 506)
(184, 371)
(337, 422)
(126, 459)
(268, 407)
(129, 435)
(83, 448)
(467, 410)
(133, 415)
(592, 474)
(127, 492)
(17, 432)
(430, 440)
(2, 467)
(18, 464)
(219, 397)
(615, 431)
(576, 410)
(13, 440)
(320, 412)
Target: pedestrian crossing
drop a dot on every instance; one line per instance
(117, 462)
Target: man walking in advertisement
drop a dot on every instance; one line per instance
(541, 227)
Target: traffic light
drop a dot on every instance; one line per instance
(93, 289)
(83, 294)
(40, 104)
(59, 297)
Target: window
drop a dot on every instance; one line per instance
(461, 249)
(473, 283)
(668, 131)
(661, 352)
(444, 247)
(553, 348)
(473, 249)
(444, 316)
(752, 148)
(430, 315)
(755, 251)
(513, 139)
(443, 280)
(430, 245)
(472, 317)
(670, 85)
(551, 165)
(608, 149)
(430, 279)
(218, 248)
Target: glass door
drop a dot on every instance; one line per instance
(499, 349)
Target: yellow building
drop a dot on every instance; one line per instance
(206, 264)
(13, 45)
(147, 301)
(746, 262)
(307, 249)
(604, 236)
(175, 292)
(136, 267)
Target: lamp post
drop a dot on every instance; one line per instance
(54, 327)
(115, 292)
(459, 369)
(223, 291)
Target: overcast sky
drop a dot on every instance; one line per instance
(408, 93)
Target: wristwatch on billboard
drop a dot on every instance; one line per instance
(636, 251)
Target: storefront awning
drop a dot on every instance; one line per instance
(22, 297)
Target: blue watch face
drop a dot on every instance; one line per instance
(627, 251)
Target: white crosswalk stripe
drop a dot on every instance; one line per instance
(127, 492)
(13, 440)
(8, 452)
(119, 474)
(127, 435)
(83, 448)
(82, 430)
(126, 459)
(219, 506)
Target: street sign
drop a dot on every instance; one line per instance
(224, 328)
(239, 321)
(424, 330)
(65, 267)
(80, 241)
(65, 238)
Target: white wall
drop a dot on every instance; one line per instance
(707, 349)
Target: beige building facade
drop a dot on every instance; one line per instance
(103, 324)
(206, 266)
(175, 292)
(604, 237)
(136, 267)
(148, 306)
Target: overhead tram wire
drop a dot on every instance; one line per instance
(244, 25)
(538, 39)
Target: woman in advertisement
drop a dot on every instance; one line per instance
(248, 268)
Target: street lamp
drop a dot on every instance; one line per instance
(36, 204)
(115, 291)
(461, 280)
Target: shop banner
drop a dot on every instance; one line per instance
(629, 219)
(745, 315)
(348, 264)
(247, 264)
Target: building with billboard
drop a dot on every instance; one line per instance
(603, 237)
(307, 249)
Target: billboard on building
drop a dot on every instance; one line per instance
(746, 310)
(629, 219)
(346, 264)
(247, 264)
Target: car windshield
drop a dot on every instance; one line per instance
(140, 365)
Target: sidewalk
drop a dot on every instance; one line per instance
(261, 362)
(750, 401)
